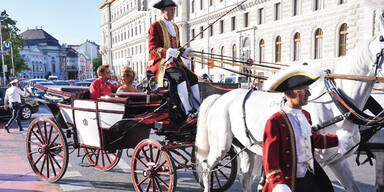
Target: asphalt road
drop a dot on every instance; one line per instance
(80, 176)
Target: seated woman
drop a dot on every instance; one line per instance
(127, 78)
(101, 86)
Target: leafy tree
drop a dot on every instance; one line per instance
(96, 63)
(10, 32)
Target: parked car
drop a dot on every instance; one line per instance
(32, 82)
(40, 93)
(241, 80)
(28, 107)
(61, 82)
(82, 83)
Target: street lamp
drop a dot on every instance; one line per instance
(2, 56)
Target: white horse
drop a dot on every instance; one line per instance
(221, 119)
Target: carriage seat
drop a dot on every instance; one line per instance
(140, 97)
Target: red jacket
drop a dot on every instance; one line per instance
(159, 41)
(99, 88)
(279, 150)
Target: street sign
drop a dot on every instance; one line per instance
(3, 52)
(7, 44)
(5, 68)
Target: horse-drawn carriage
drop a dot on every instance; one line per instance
(102, 128)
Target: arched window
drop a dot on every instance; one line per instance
(296, 46)
(222, 55)
(318, 43)
(261, 50)
(278, 49)
(234, 53)
(343, 40)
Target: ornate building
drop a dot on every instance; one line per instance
(319, 32)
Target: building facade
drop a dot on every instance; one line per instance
(270, 32)
(43, 55)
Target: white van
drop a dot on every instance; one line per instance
(242, 80)
(52, 78)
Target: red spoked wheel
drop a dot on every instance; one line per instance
(223, 176)
(152, 168)
(102, 159)
(47, 149)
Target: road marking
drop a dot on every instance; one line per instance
(124, 166)
(72, 174)
(77, 186)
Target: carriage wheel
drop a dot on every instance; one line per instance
(47, 149)
(152, 168)
(223, 178)
(102, 159)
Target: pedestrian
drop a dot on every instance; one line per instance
(165, 60)
(13, 98)
(289, 142)
(101, 86)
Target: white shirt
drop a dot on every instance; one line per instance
(302, 131)
(13, 94)
(170, 27)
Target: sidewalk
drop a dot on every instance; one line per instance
(15, 171)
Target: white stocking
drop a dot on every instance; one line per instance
(182, 91)
(196, 94)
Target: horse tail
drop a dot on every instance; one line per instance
(201, 142)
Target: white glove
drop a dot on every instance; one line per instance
(281, 188)
(345, 140)
(172, 53)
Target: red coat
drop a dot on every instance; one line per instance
(100, 88)
(279, 150)
(159, 41)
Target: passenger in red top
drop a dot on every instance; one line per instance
(101, 86)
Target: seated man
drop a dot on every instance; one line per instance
(164, 59)
(101, 86)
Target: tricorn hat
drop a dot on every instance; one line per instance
(14, 81)
(291, 78)
(160, 4)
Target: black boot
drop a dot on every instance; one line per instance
(7, 129)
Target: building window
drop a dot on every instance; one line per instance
(246, 19)
(233, 19)
(261, 50)
(341, 2)
(318, 43)
(211, 30)
(296, 47)
(201, 32)
(192, 33)
(295, 7)
(193, 6)
(317, 5)
(277, 11)
(201, 5)
(210, 2)
(233, 53)
(222, 26)
(261, 16)
(343, 40)
(278, 49)
(222, 56)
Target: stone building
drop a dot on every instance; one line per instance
(319, 32)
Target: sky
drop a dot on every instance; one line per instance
(69, 21)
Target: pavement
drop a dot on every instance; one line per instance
(16, 174)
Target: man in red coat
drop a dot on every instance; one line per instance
(288, 140)
(165, 59)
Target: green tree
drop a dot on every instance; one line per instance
(96, 63)
(10, 32)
